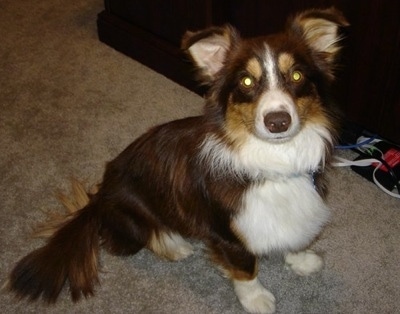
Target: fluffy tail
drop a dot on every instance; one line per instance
(78, 199)
(70, 254)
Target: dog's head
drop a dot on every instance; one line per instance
(269, 86)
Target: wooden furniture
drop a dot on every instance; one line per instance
(368, 88)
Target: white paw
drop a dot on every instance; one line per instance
(254, 297)
(170, 246)
(182, 250)
(304, 263)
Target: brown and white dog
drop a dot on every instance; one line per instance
(245, 177)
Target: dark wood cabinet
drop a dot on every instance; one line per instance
(368, 85)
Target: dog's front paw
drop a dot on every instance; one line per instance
(254, 297)
(304, 263)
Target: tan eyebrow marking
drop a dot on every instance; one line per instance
(285, 62)
(254, 68)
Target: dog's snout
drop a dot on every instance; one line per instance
(278, 121)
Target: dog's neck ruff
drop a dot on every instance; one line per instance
(255, 159)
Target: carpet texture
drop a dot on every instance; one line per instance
(69, 104)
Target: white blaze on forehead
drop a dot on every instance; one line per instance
(270, 67)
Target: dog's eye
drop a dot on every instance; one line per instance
(296, 76)
(247, 82)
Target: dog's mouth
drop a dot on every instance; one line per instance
(277, 139)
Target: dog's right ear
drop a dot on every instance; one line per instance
(208, 49)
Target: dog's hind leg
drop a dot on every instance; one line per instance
(126, 224)
(123, 234)
(169, 245)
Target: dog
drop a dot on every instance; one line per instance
(247, 177)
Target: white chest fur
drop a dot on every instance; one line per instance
(284, 215)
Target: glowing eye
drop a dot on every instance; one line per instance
(296, 76)
(247, 82)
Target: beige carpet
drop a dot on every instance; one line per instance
(69, 103)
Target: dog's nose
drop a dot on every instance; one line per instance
(278, 121)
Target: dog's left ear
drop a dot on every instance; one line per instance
(208, 49)
(320, 30)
